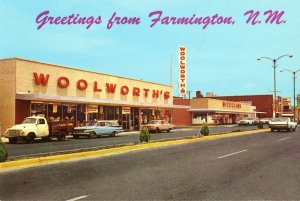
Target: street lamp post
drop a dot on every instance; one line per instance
(294, 83)
(274, 61)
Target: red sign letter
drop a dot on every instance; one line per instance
(82, 84)
(63, 82)
(41, 79)
(166, 95)
(155, 93)
(136, 91)
(110, 88)
(96, 87)
(124, 90)
(146, 92)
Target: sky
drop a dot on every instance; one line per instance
(220, 58)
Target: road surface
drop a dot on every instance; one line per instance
(22, 149)
(262, 166)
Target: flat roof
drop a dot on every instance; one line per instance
(73, 68)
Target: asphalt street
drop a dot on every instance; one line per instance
(262, 166)
(22, 149)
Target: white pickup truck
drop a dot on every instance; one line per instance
(37, 127)
(282, 123)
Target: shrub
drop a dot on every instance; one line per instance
(3, 152)
(144, 134)
(204, 129)
(260, 125)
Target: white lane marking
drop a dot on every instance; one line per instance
(284, 139)
(232, 153)
(78, 198)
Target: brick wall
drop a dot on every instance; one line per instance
(181, 117)
(23, 110)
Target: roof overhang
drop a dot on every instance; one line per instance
(76, 99)
(221, 111)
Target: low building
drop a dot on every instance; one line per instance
(263, 103)
(211, 111)
(64, 93)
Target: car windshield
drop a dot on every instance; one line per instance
(29, 121)
(154, 122)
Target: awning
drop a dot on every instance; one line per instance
(220, 111)
(76, 99)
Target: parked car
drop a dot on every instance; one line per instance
(282, 123)
(37, 127)
(98, 129)
(159, 125)
(265, 120)
(246, 121)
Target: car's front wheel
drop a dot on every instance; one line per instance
(92, 135)
(13, 140)
(30, 138)
(113, 134)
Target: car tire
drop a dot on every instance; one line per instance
(75, 136)
(92, 135)
(61, 137)
(30, 138)
(157, 130)
(13, 140)
(272, 130)
(169, 130)
(113, 134)
(46, 139)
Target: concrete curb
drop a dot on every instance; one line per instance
(25, 163)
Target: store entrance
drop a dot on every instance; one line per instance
(126, 121)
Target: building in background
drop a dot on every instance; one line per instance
(63, 93)
(214, 109)
(263, 103)
(211, 111)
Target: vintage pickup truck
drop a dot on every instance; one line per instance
(37, 127)
(282, 123)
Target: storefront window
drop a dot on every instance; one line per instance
(38, 109)
(110, 113)
(80, 113)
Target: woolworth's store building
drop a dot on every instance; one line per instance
(79, 96)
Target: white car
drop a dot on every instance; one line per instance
(282, 123)
(265, 120)
(246, 121)
(159, 125)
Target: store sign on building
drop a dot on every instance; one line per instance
(227, 104)
(182, 70)
(125, 110)
(92, 108)
(110, 88)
